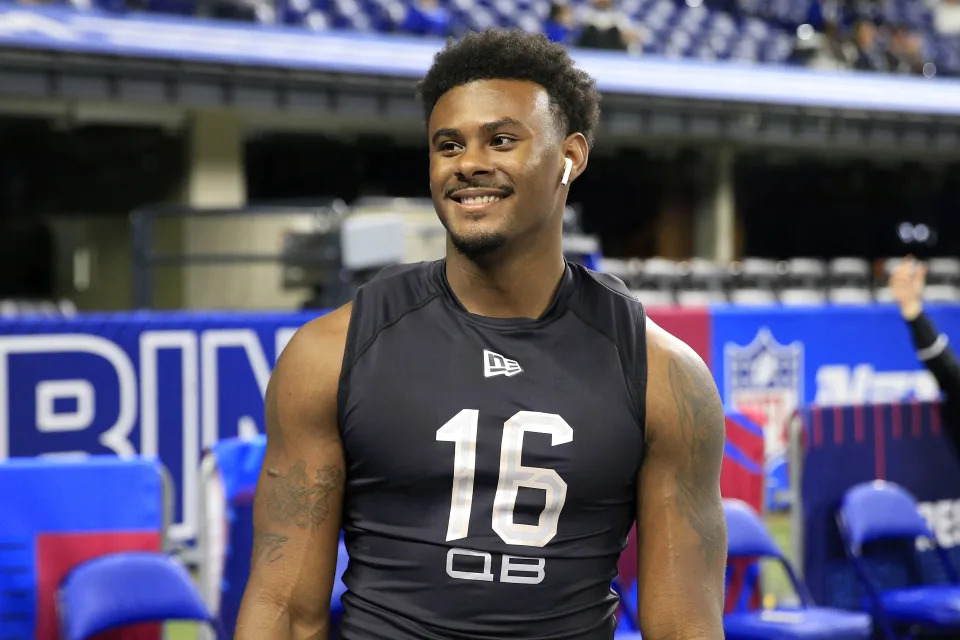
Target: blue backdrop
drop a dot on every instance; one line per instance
(171, 383)
(151, 383)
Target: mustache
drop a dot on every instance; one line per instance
(479, 184)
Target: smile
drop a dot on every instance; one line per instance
(479, 200)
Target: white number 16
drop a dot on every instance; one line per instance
(462, 431)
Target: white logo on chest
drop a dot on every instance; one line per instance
(495, 364)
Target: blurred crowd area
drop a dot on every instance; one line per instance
(917, 37)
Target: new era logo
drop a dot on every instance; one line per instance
(495, 364)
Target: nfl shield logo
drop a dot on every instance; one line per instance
(764, 380)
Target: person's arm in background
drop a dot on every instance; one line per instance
(297, 507)
(681, 531)
(906, 283)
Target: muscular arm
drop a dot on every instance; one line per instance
(296, 515)
(681, 533)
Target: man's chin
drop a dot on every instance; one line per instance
(477, 246)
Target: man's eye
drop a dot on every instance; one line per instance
(499, 141)
(449, 146)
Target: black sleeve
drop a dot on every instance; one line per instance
(934, 351)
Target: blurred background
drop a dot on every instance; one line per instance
(183, 183)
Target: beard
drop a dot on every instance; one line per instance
(477, 246)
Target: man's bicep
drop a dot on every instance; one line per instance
(300, 489)
(681, 529)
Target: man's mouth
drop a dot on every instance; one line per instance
(478, 197)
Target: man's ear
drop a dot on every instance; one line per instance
(576, 152)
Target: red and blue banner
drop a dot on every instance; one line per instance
(172, 384)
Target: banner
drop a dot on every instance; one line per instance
(775, 361)
(169, 384)
(157, 384)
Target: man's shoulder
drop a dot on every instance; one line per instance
(598, 284)
(316, 349)
(680, 381)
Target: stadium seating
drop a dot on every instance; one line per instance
(120, 589)
(884, 515)
(760, 281)
(748, 538)
(756, 31)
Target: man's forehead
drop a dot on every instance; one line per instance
(483, 101)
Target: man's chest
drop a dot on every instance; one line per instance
(433, 407)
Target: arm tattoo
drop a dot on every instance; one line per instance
(700, 419)
(294, 499)
(268, 547)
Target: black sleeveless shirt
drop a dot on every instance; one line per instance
(491, 463)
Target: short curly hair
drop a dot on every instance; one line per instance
(517, 55)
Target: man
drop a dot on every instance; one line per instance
(490, 424)
(907, 282)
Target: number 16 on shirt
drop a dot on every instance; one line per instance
(462, 431)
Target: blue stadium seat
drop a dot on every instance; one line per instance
(876, 514)
(748, 538)
(121, 589)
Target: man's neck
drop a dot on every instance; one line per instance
(506, 284)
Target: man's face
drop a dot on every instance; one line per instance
(495, 163)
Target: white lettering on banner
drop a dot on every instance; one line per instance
(186, 342)
(210, 343)
(199, 382)
(283, 338)
(861, 384)
(116, 438)
(48, 419)
(943, 518)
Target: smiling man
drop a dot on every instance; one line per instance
(487, 428)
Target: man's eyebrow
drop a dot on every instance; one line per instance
(445, 133)
(486, 128)
(491, 127)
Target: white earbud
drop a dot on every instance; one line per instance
(567, 168)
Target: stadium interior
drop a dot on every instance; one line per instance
(183, 183)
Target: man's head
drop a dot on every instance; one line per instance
(864, 34)
(504, 110)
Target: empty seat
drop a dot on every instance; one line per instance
(941, 293)
(748, 538)
(884, 512)
(700, 297)
(849, 272)
(943, 271)
(706, 274)
(801, 296)
(883, 294)
(654, 297)
(752, 296)
(660, 273)
(757, 272)
(628, 270)
(805, 272)
(850, 295)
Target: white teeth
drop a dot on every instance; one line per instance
(479, 199)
